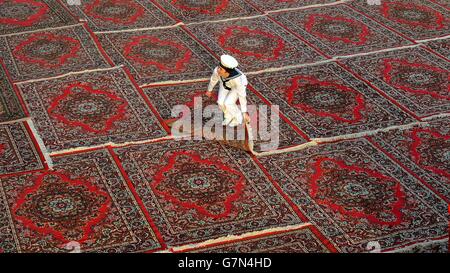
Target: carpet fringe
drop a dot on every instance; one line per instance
(41, 144)
(80, 149)
(139, 29)
(308, 7)
(369, 133)
(226, 20)
(41, 30)
(174, 82)
(124, 144)
(290, 149)
(375, 52)
(69, 74)
(163, 251)
(229, 238)
(444, 115)
(433, 39)
(110, 144)
(287, 67)
(15, 121)
(317, 141)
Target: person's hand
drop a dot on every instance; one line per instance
(209, 94)
(246, 118)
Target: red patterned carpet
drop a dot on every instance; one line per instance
(395, 73)
(339, 30)
(90, 109)
(50, 53)
(159, 55)
(165, 97)
(356, 194)
(258, 43)
(87, 156)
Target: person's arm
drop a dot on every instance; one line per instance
(241, 88)
(214, 80)
(242, 95)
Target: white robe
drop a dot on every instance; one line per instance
(227, 99)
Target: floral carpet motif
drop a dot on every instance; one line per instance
(10, 104)
(257, 43)
(81, 201)
(327, 101)
(90, 109)
(416, 19)
(194, 11)
(51, 53)
(355, 194)
(19, 151)
(107, 15)
(161, 55)
(423, 151)
(339, 30)
(30, 15)
(90, 154)
(415, 78)
(199, 191)
(166, 97)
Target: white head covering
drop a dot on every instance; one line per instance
(228, 61)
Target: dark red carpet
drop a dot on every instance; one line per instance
(90, 109)
(88, 160)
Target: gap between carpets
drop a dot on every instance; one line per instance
(243, 236)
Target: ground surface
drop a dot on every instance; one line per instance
(86, 154)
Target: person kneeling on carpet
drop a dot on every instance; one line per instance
(233, 84)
